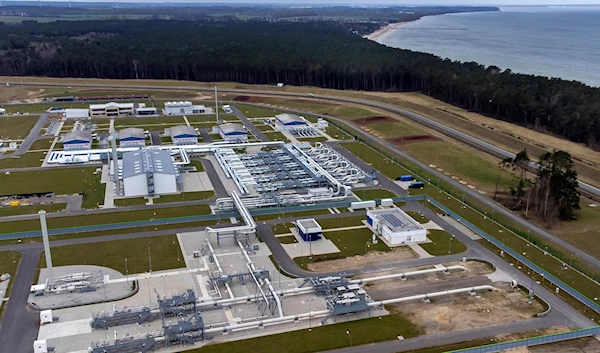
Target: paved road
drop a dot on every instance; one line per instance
(155, 138)
(215, 180)
(249, 126)
(19, 325)
(205, 136)
(30, 139)
(591, 260)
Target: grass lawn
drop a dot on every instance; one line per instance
(302, 104)
(336, 133)
(106, 218)
(460, 162)
(16, 127)
(41, 144)
(198, 165)
(349, 242)
(441, 244)
(9, 261)
(290, 239)
(276, 136)
(395, 129)
(418, 217)
(263, 127)
(252, 111)
(133, 201)
(60, 181)
(30, 209)
(363, 331)
(42, 107)
(352, 113)
(341, 222)
(112, 254)
(29, 159)
(160, 120)
(374, 194)
(185, 196)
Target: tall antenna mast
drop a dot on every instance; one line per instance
(216, 105)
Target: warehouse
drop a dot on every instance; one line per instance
(76, 113)
(309, 229)
(233, 132)
(395, 226)
(184, 135)
(132, 137)
(287, 121)
(111, 109)
(148, 173)
(183, 108)
(77, 140)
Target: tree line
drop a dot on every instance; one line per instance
(316, 53)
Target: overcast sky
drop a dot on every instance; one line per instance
(373, 2)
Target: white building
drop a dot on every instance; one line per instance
(184, 135)
(287, 121)
(146, 111)
(395, 226)
(76, 113)
(148, 173)
(77, 140)
(233, 132)
(309, 229)
(183, 108)
(111, 109)
(132, 137)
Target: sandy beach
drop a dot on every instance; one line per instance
(383, 32)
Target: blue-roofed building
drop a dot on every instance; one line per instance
(233, 132)
(286, 121)
(132, 137)
(396, 227)
(77, 140)
(184, 135)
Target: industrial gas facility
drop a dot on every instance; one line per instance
(301, 234)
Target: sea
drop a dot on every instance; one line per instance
(547, 41)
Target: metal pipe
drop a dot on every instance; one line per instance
(212, 251)
(46, 241)
(431, 295)
(407, 274)
(277, 300)
(278, 320)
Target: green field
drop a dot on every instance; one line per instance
(30, 209)
(263, 127)
(352, 112)
(185, 196)
(302, 105)
(442, 243)
(41, 144)
(349, 242)
(460, 162)
(39, 108)
(340, 222)
(198, 165)
(16, 127)
(395, 129)
(364, 331)
(299, 214)
(276, 136)
(157, 121)
(252, 111)
(60, 181)
(164, 251)
(374, 194)
(312, 140)
(106, 218)
(29, 159)
(336, 133)
(9, 262)
(132, 201)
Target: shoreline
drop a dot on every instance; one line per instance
(385, 31)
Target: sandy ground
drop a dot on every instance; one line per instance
(374, 258)
(583, 345)
(462, 312)
(383, 32)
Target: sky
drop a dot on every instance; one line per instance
(378, 2)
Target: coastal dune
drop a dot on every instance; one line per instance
(380, 34)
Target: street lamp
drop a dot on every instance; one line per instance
(367, 245)
(348, 333)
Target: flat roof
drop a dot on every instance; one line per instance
(180, 104)
(147, 161)
(131, 132)
(396, 219)
(308, 223)
(80, 135)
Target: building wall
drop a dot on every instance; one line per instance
(132, 143)
(184, 110)
(77, 146)
(165, 184)
(185, 140)
(234, 138)
(406, 237)
(136, 185)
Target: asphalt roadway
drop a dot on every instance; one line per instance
(249, 126)
(591, 260)
(30, 139)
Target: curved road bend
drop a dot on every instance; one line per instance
(594, 262)
(30, 139)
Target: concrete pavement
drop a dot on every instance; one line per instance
(249, 126)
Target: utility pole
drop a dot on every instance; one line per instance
(216, 105)
(149, 261)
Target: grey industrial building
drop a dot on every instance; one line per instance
(132, 137)
(286, 121)
(149, 172)
(184, 135)
(77, 140)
